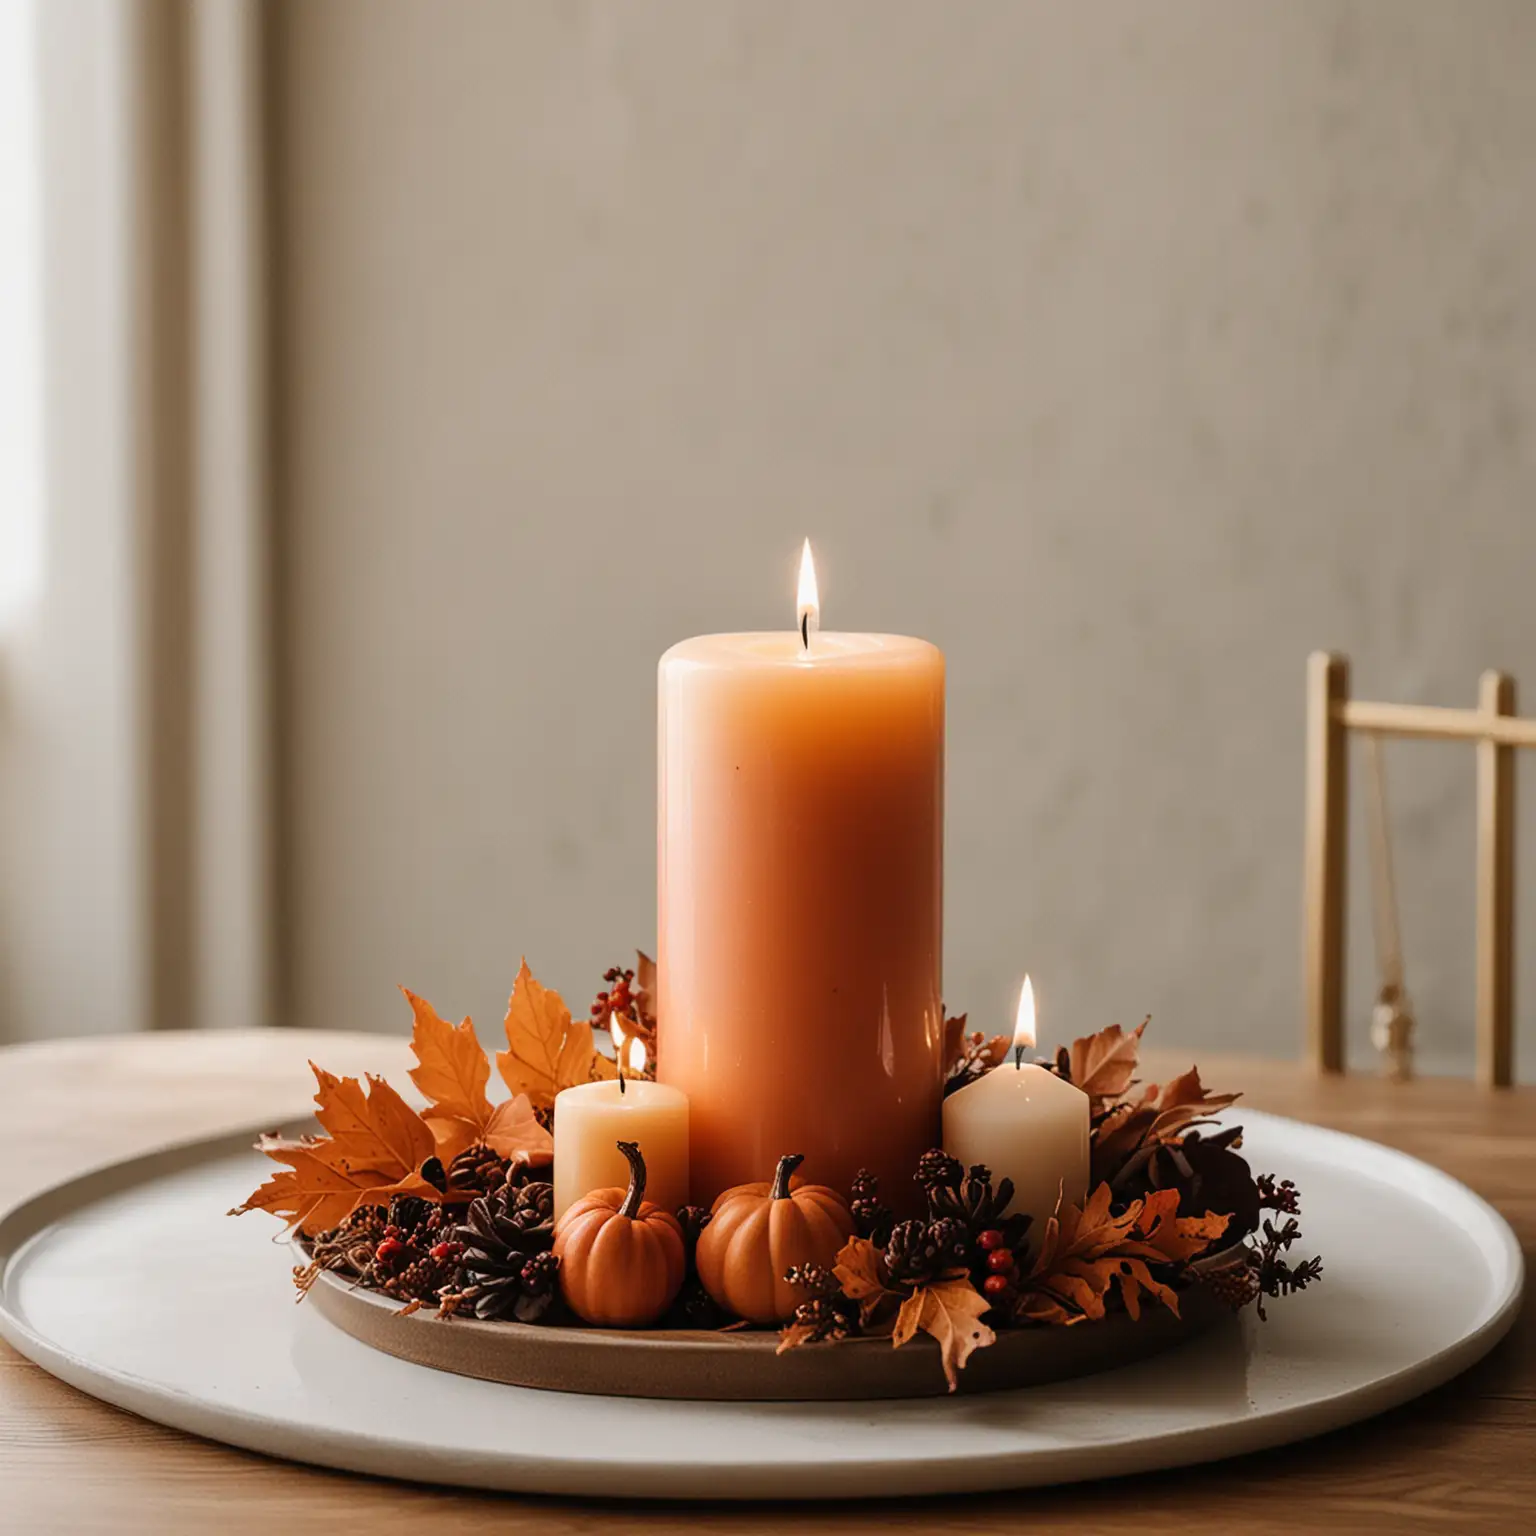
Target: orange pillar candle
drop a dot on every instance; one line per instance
(800, 904)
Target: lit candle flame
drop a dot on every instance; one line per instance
(616, 1034)
(1024, 1025)
(637, 1057)
(807, 604)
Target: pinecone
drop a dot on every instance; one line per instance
(825, 1311)
(827, 1321)
(541, 1284)
(870, 1218)
(952, 1241)
(477, 1168)
(978, 1205)
(1235, 1283)
(912, 1256)
(534, 1206)
(501, 1236)
(936, 1169)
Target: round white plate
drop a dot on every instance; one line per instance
(131, 1284)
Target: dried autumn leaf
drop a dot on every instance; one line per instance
(451, 1069)
(951, 1312)
(317, 1191)
(1163, 1235)
(1159, 1116)
(375, 1150)
(858, 1273)
(1134, 1278)
(1086, 1252)
(1183, 1102)
(546, 1051)
(793, 1335)
(513, 1131)
(377, 1133)
(1076, 1264)
(1103, 1065)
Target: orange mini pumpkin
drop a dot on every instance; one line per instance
(621, 1258)
(758, 1231)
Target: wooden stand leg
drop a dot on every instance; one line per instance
(1496, 893)
(1324, 876)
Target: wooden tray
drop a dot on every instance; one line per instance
(742, 1366)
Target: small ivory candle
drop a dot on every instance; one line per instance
(1025, 1124)
(590, 1121)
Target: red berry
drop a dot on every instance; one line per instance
(991, 1239)
(447, 1250)
(388, 1249)
(996, 1285)
(1000, 1261)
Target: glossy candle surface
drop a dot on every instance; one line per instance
(590, 1121)
(800, 903)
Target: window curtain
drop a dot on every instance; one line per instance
(136, 715)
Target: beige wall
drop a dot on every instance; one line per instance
(1128, 352)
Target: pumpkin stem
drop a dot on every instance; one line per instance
(636, 1191)
(781, 1175)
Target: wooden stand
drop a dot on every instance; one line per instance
(1331, 715)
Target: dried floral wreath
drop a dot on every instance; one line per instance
(451, 1206)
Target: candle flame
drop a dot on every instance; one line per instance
(616, 1034)
(637, 1057)
(1024, 1025)
(808, 603)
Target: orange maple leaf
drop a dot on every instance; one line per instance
(375, 1150)
(950, 1311)
(317, 1191)
(377, 1133)
(451, 1068)
(547, 1050)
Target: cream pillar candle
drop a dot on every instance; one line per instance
(590, 1121)
(1025, 1124)
(800, 903)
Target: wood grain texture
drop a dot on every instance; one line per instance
(1463, 1458)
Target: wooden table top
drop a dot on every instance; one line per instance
(1463, 1458)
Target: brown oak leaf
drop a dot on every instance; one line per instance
(1164, 1236)
(1160, 1115)
(951, 1312)
(1104, 1065)
(1085, 1252)
(546, 1049)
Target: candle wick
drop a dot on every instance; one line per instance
(805, 629)
(621, 1078)
(1018, 1057)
